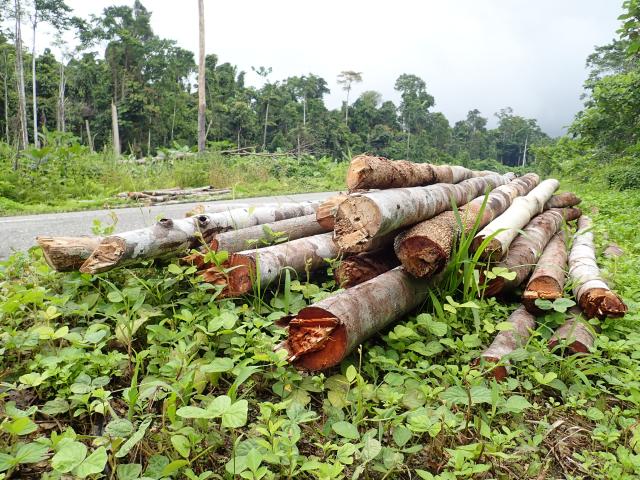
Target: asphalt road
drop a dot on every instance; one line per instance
(19, 233)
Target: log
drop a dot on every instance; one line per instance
(504, 229)
(169, 237)
(426, 248)
(213, 208)
(589, 288)
(578, 337)
(507, 341)
(549, 276)
(321, 335)
(325, 215)
(563, 200)
(65, 254)
(364, 266)
(363, 217)
(528, 246)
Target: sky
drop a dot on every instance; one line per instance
(484, 54)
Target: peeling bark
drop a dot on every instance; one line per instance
(359, 268)
(528, 246)
(325, 215)
(367, 171)
(589, 288)
(563, 200)
(506, 226)
(426, 248)
(575, 333)
(363, 217)
(169, 237)
(507, 341)
(548, 279)
(322, 335)
(65, 254)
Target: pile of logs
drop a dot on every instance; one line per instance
(394, 235)
(175, 195)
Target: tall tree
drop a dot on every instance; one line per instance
(23, 136)
(346, 78)
(202, 101)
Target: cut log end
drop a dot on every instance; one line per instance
(494, 286)
(544, 288)
(499, 372)
(358, 269)
(66, 254)
(578, 336)
(602, 303)
(492, 251)
(357, 221)
(421, 256)
(359, 171)
(326, 213)
(105, 256)
(235, 275)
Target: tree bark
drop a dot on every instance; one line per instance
(526, 249)
(548, 279)
(34, 89)
(507, 341)
(363, 217)
(202, 101)
(65, 254)
(169, 237)
(366, 172)
(22, 101)
(326, 213)
(89, 137)
(115, 129)
(426, 248)
(562, 200)
(61, 114)
(362, 267)
(504, 229)
(6, 100)
(321, 335)
(589, 288)
(578, 337)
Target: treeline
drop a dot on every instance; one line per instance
(151, 82)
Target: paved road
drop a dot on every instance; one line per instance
(18, 233)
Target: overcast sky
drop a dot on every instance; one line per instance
(484, 54)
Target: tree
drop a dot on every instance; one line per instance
(415, 104)
(23, 137)
(346, 78)
(268, 93)
(202, 103)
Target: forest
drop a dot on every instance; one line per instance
(392, 332)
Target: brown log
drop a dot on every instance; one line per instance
(589, 288)
(578, 336)
(65, 254)
(325, 215)
(507, 341)
(563, 200)
(363, 217)
(426, 248)
(322, 335)
(359, 268)
(526, 249)
(548, 279)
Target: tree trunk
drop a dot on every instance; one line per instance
(326, 213)
(321, 335)
(264, 134)
(169, 237)
(61, 114)
(89, 137)
(574, 333)
(202, 102)
(507, 341)
(115, 129)
(507, 225)
(589, 288)
(366, 172)
(6, 100)
(562, 200)
(362, 267)
(548, 279)
(65, 254)
(22, 101)
(363, 217)
(34, 89)
(526, 249)
(426, 248)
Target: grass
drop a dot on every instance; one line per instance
(143, 372)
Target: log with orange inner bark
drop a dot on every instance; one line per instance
(426, 248)
(364, 266)
(548, 279)
(575, 333)
(526, 249)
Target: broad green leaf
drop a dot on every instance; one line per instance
(181, 444)
(20, 426)
(93, 464)
(224, 364)
(115, 297)
(31, 453)
(128, 471)
(235, 416)
(218, 406)
(401, 435)
(253, 459)
(6, 462)
(134, 439)
(55, 407)
(371, 449)
(194, 412)
(517, 404)
(173, 467)
(119, 427)
(504, 326)
(69, 456)
(346, 430)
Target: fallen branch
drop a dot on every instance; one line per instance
(169, 237)
(563, 200)
(426, 248)
(505, 227)
(575, 333)
(363, 217)
(507, 341)
(359, 268)
(65, 254)
(589, 288)
(548, 279)
(526, 249)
